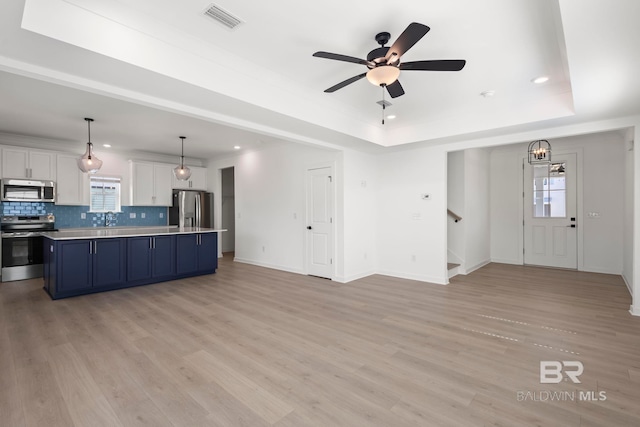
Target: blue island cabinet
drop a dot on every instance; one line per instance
(81, 266)
(86, 264)
(197, 253)
(150, 258)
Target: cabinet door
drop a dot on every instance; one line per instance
(179, 185)
(74, 265)
(138, 258)
(14, 163)
(42, 165)
(108, 262)
(186, 253)
(142, 180)
(162, 184)
(163, 259)
(71, 183)
(198, 178)
(208, 252)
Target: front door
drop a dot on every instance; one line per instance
(320, 222)
(550, 208)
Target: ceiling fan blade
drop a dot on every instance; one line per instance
(395, 89)
(434, 65)
(407, 39)
(345, 83)
(345, 58)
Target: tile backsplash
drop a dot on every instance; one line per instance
(71, 216)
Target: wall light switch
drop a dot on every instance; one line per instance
(83, 215)
(143, 215)
(132, 215)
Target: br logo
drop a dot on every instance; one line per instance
(551, 371)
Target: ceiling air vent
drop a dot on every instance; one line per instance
(222, 16)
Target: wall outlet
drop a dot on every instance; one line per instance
(143, 215)
(161, 214)
(132, 215)
(413, 258)
(295, 215)
(83, 215)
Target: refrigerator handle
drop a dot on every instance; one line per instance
(198, 210)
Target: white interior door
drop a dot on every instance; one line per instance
(320, 222)
(550, 208)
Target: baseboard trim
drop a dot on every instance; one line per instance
(476, 267)
(267, 265)
(427, 279)
(347, 279)
(506, 261)
(626, 282)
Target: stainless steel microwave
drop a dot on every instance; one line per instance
(27, 190)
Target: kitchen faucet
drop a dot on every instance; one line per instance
(108, 219)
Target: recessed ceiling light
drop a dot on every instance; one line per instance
(391, 116)
(236, 147)
(488, 93)
(540, 80)
(106, 145)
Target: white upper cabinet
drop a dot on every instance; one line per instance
(24, 163)
(197, 181)
(150, 184)
(71, 184)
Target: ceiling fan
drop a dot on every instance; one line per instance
(384, 62)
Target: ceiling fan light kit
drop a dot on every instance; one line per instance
(88, 162)
(383, 75)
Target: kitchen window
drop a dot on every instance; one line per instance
(105, 194)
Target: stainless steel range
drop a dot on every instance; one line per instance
(22, 245)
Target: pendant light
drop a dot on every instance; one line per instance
(88, 162)
(539, 152)
(182, 172)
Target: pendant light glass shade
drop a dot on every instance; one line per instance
(181, 171)
(88, 162)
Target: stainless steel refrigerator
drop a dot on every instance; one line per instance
(191, 209)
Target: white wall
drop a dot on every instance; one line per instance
(627, 262)
(412, 236)
(602, 182)
(505, 205)
(360, 221)
(476, 209)
(270, 202)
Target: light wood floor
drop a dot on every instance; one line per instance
(256, 347)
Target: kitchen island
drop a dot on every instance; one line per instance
(83, 261)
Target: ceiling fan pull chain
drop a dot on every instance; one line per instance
(382, 86)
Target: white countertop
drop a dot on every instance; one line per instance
(106, 232)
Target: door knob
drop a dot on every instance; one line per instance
(308, 227)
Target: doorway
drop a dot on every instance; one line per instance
(320, 229)
(228, 210)
(550, 213)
